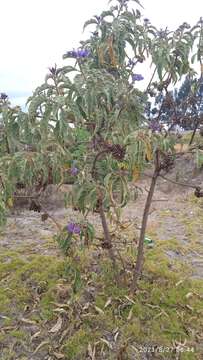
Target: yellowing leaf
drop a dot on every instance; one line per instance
(136, 173)
(111, 52)
(10, 202)
(149, 153)
(123, 166)
(100, 55)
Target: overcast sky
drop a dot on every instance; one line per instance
(36, 33)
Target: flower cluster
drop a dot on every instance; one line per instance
(132, 62)
(73, 228)
(154, 126)
(137, 77)
(78, 54)
(3, 96)
(74, 171)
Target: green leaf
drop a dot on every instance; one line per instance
(89, 22)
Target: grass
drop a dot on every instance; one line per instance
(100, 316)
(97, 316)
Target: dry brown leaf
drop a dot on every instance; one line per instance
(64, 334)
(149, 151)
(57, 326)
(58, 355)
(136, 173)
(43, 343)
(86, 306)
(107, 343)
(189, 295)
(116, 336)
(100, 311)
(130, 314)
(60, 310)
(8, 328)
(91, 352)
(179, 283)
(37, 334)
(129, 299)
(28, 321)
(108, 303)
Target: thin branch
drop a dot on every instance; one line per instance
(177, 183)
(140, 255)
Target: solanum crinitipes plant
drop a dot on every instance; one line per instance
(88, 119)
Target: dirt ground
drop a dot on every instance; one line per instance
(175, 215)
(176, 219)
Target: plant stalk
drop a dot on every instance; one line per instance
(107, 237)
(140, 255)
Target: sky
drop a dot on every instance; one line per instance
(36, 33)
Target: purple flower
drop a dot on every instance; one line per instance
(146, 21)
(3, 96)
(98, 18)
(83, 53)
(78, 54)
(137, 77)
(73, 228)
(74, 171)
(72, 53)
(154, 126)
(131, 62)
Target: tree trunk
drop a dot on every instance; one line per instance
(140, 255)
(107, 240)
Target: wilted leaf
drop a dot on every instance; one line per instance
(36, 335)
(60, 310)
(116, 336)
(10, 202)
(149, 152)
(57, 326)
(179, 283)
(43, 343)
(108, 303)
(28, 321)
(100, 311)
(59, 355)
(129, 299)
(136, 174)
(107, 343)
(130, 314)
(189, 295)
(91, 352)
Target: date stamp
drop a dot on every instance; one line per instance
(165, 349)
